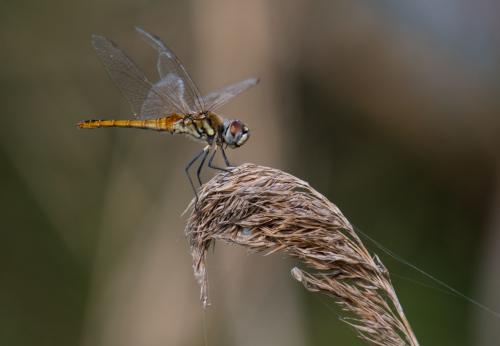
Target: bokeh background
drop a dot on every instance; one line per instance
(389, 108)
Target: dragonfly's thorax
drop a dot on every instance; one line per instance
(204, 126)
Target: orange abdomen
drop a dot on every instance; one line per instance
(159, 124)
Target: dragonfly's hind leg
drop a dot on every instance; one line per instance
(211, 165)
(204, 152)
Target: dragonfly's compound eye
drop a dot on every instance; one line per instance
(236, 134)
(236, 127)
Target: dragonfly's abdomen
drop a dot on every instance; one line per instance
(159, 124)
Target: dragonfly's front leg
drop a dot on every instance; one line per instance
(210, 164)
(226, 161)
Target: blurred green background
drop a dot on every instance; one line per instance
(389, 108)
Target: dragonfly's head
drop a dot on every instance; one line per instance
(235, 133)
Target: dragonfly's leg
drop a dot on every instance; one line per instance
(200, 167)
(213, 166)
(204, 151)
(228, 164)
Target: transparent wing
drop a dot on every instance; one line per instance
(218, 98)
(132, 82)
(171, 85)
(168, 63)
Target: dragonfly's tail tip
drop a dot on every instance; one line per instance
(83, 124)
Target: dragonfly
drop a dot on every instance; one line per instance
(173, 104)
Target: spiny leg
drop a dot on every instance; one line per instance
(198, 171)
(204, 151)
(226, 161)
(215, 167)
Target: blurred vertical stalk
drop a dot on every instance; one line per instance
(235, 41)
(487, 326)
